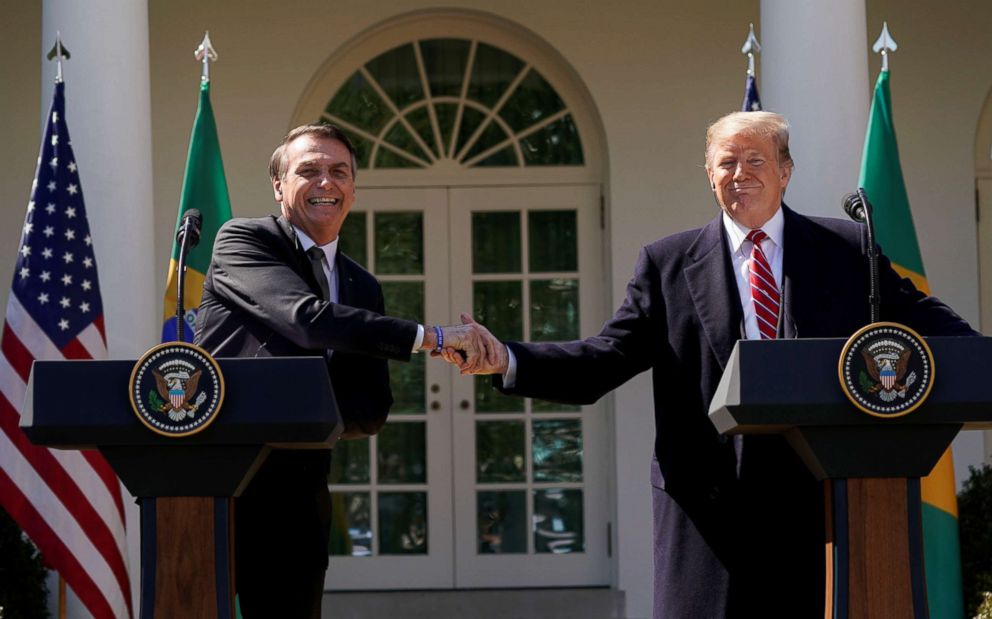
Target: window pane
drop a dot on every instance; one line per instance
(386, 158)
(533, 100)
(354, 241)
(506, 157)
(444, 61)
(552, 241)
(556, 144)
(399, 137)
(420, 120)
(558, 521)
(406, 379)
(446, 121)
(554, 310)
(489, 400)
(401, 453)
(502, 522)
(557, 450)
(496, 242)
(543, 406)
(498, 306)
(471, 119)
(402, 523)
(499, 451)
(492, 73)
(350, 463)
(351, 524)
(357, 103)
(491, 136)
(397, 74)
(399, 244)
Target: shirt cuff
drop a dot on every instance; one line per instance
(510, 378)
(419, 339)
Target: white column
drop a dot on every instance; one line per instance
(108, 109)
(814, 71)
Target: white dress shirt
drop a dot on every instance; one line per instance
(329, 265)
(740, 254)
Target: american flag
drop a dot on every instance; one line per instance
(752, 102)
(68, 502)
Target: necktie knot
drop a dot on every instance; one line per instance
(756, 236)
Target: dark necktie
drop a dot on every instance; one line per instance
(764, 292)
(316, 255)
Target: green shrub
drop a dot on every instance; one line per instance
(975, 521)
(23, 592)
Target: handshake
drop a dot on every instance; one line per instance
(469, 345)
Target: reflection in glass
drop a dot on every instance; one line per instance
(399, 243)
(401, 455)
(554, 310)
(533, 100)
(351, 524)
(558, 521)
(498, 305)
(496, 242)
(359, 104)
(499, 451)
(489, 400)
(350, 463)
(557, 143)
(406, 379)
(397, 74)
(402, 523)
(353, 242)
(552, 241)
(444, 63)
(502, 518)
(557, 450)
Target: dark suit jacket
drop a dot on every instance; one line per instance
(738, 522)
(261, 299)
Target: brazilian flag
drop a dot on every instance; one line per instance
(204, 188)
(881, 176)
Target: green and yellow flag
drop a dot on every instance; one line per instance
(204, 188)
(881, 176)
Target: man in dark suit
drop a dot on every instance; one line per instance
(738, 522)
(278, 286)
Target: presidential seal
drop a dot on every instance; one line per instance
(886, 369)
(176, 389)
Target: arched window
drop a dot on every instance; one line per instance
(457, 99)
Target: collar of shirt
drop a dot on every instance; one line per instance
(736, 234)
(330, 250)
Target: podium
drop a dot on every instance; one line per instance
(185, 486)
(871, 466)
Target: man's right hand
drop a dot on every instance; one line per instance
(494, 361)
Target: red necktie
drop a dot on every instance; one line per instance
(764, 292)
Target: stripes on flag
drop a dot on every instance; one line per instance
(67, 501)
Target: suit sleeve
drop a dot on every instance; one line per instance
(252, 270)
(582, 371)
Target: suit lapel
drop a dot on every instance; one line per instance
(713, 288)
(302, 264)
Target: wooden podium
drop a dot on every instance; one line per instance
(185, 486)
(871, 466)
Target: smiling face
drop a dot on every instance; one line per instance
(317, 189)
(747, 177)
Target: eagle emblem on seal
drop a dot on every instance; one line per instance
(887, 362)
(178, 390)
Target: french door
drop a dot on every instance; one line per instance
(465, 487)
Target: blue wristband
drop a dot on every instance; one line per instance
(439, 336)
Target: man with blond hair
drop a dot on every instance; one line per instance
(738, 521)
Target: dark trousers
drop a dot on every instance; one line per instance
(282, 524)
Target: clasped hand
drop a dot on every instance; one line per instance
(473, 348)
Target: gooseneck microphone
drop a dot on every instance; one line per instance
(187, 236)
(858, 208)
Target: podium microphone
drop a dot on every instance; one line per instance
(858, 208)
(187, 236)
